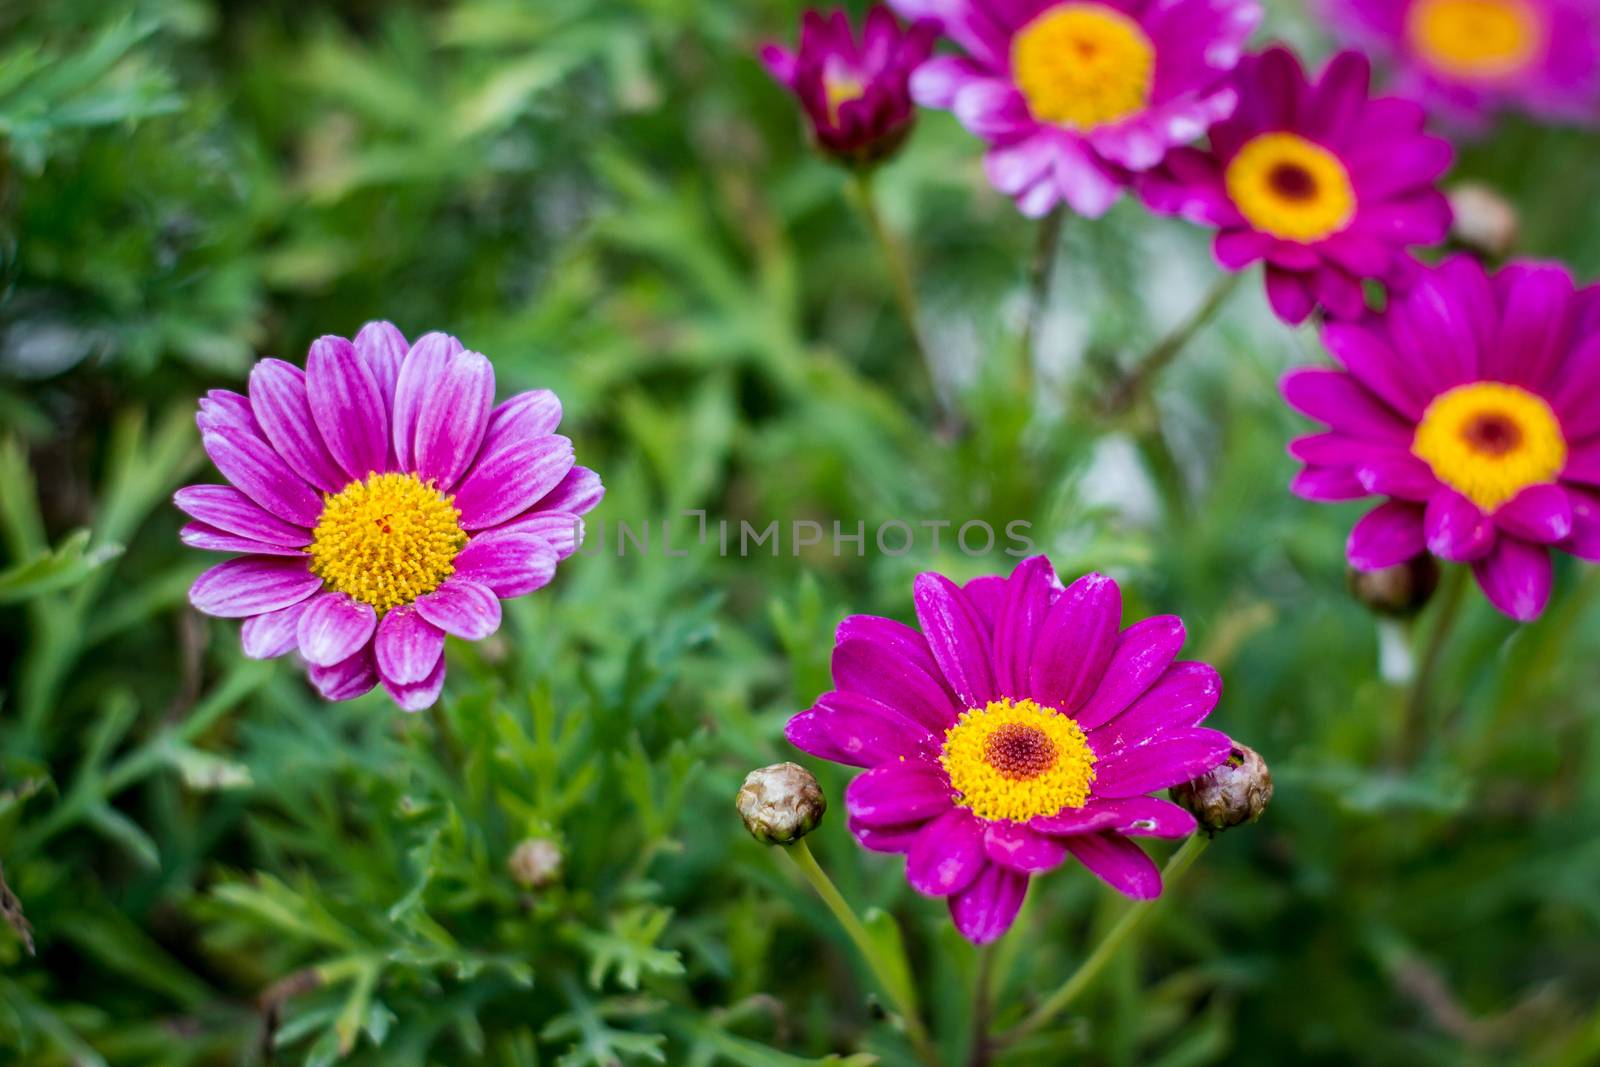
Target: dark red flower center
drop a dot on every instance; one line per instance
(1019, 751)
(1492, 433)
(1292, 182)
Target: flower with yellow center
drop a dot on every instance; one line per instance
(1490, 441)
(840, 89)
(1482, 39)
(387, 540)
(1083, 65)
(1290, 187)
(1015, 760)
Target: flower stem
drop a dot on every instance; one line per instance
(1413, 716)
(1040, 273)
(1133, 384)
(899, 266)
(982, 1000)
(800, 853)
(1106, 950)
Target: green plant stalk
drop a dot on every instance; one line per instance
(1040, 273)
(1106, 950)
(1133, 385)
(1414, 712)
(800, 853)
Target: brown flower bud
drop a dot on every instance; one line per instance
(535, 862)
(1231, 795)
(1401, 590)
(780, 804)
(1485, 221)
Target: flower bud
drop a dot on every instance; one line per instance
(1231, 795)
(535, 862)
(780, 804)
(1485, 221)
(1401, 590)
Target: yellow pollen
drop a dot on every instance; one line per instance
(387, 540)
(1083, 65)
(1474, 38)
(1489, 441)
(1017, 760)
(840, 90)
(1291, 187)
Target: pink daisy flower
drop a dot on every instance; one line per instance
(1021, 724)
(379, 501)
(1073, 95)
(1324, 184)
(1472, 58)
(1473, 404)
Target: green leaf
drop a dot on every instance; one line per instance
(69, 563)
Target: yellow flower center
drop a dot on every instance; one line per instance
(1017, 760)
(1489, 441)
(1291, 188)
(1474, 38)
(840, 90)
(1083, 65)
(387, 540)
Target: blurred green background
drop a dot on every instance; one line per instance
(611, 199)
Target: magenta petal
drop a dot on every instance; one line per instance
(1541, 514)
(1169, 759)
(561, 530)
(1092, 818)
(346, 680)
(947, 854)
(205, 536)
(579, 492)
(880, 672)
(531, 414)
(508, 481)
(1182, 697)
(1150, 817)
(1025, 602)
(333, 628)
(898, 794)
(1328, 484)
(1585, 540)
(226, 508)
(466, 609)
(1075, 642)
(510, 563)
(348, 403)
(1143, 653)
(1455, 528)
(413, 390)
(252, 585)
(1336, 398)
(278, 398)
(884, 838)
(1389, 534)
(407, 646)
(956, 638)
(252, 465)
(856, 730)
(382, 347)
(1516, 578)
(416, 696)
(1119, 863)
(1290, 296)
(453, 418)
(271, 634)
(1016, 846)
(985, 910)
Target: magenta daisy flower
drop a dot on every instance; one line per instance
(379, 502)
(1324, 184)
(1473, 404)
(1019, 726)
(1472, 58)
(856, 95)
(1073, 95)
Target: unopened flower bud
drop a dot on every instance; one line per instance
(780, 804)
(1485, 221)
(535, 862)
(1231, 795)
(1401, 590)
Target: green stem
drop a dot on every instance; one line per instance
(899, 266)
(1040, 273)
(982, 999)
(1132, 385)
(1413, 716)
(1106, 950)
(800, 853)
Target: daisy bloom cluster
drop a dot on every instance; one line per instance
(1017, 725)
(855, 94)
(1325, 185)
(1472, 58)
(379, 501)
(1072, 96)
(1472, 403)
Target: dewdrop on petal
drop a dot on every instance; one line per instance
(1230, 795)
(535, 862)
(780, 804)
(1399, 591)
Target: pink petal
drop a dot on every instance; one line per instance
(205, 536)
(349, 406)
(1456, 528)
(1119, 863)
(1022, 849)
(226, 508)
(333, 628)
(510, 563)
(510, 480)
(1169, 759)
(271, 634)
(1076, 642)
(947, 854)
(1150, 817)
(878, 671)
(985, 910)
(466, 609)
(278, 398)
(382, 347)
(955, 637)
(1182, 697)
(417, 696)
(1389, 534)
(1143, 653)
(1541, 514)
(1516, 578)
(898, 794)
(579, 492)
(453, 418)
(252, 585)
(345, 680)
(407, 646)
(1025, 603)
(413, 390)
(252, 465)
